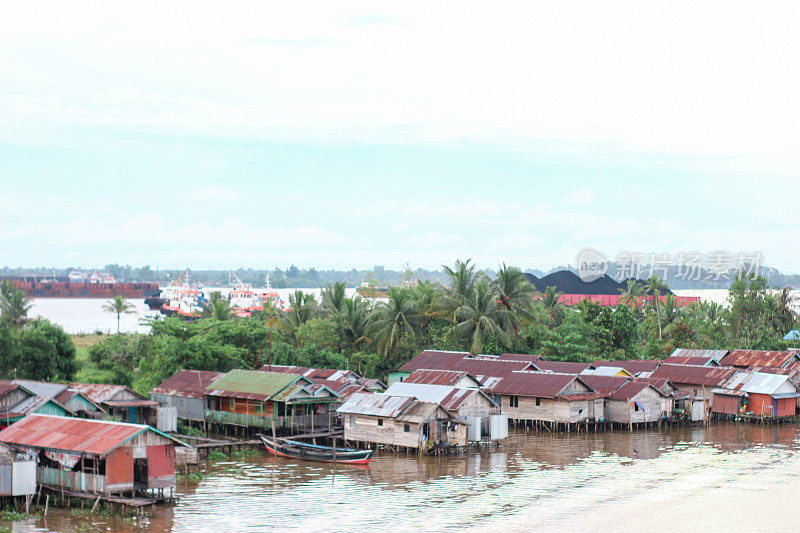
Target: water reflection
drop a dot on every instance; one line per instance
(541, 480)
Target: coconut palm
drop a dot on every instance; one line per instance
(14, 305)
(481, 316)
(333, 297)
(217, 307)
(514, 292)
(551, 302)
(393, 320)
(632, 295)
(427, 297)
(354, 321)
(302, 308)
(119, 306)
(654, 286)
(785, 316)
(463, 278)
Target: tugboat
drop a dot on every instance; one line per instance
(182, 298)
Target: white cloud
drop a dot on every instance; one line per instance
(580, 196)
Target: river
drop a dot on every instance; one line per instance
(723, 477)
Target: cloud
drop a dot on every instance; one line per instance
(580, 197)
(212, 193)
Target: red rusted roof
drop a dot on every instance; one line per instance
(563, 367)
(687, 360)
(100, 392)
(187, 383)
(438, 377)
(604, 384)
(631, 389)
(659, 383)
(582, 396)
(433, 360)
(480, 367)
(6, 387)
(745, 358)
(708, 376)
(522, 357)
(70, 434)
(634, 366)
(538, 384)
(286, 369)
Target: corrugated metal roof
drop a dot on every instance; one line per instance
(187, 383)
(538, 384)
(490, 368)
(132, 403)
(447, 396)
(634, 366)
(372, 383)
(434, 360)
(521, 357)
(70, 434)
(375, 404)
(631, 389)
(604, 384)
(6, 387)
(286, 369)
(251, 384)
(605, 371)
(716, 355)
(758, 383)
(30, 404)
(707, 376)
(43, 388)
(100, 392)
(664, 385)
(686, 360)
(418, 412)
(758, 358)
(562, 367)
(439, 377)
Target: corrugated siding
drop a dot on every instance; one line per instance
(725, 404)
(160, 461)
(78, 481)
(119, 466)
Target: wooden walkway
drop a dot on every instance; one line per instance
(121, 500)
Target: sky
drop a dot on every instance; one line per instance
(352, 134)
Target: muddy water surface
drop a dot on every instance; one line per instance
(724, 477)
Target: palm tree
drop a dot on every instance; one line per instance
(218, 307)
(785, 316)
(427, 297)
(551, 302)
(632, 295)
(302, 308)
(14, 305)
(654, 287)
(514, 292)
(393, 320)
(462, 282)
(333, 297)
(482, 316)
(354, 321)
(119, 305)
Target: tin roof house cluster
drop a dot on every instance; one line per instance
(21, 397)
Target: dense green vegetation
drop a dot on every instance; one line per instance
(472, 311)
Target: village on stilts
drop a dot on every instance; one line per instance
(70, 442)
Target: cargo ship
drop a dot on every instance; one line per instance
(70, 287)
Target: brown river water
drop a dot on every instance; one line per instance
(724, 477)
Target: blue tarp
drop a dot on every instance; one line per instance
(793, 335)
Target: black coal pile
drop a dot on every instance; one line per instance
(568, 282)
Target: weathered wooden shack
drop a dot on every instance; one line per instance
(256, 399)
(74, 401)
(695, 380)
(469, 405)
(95, 456)
(402, 421)
(547, 397)
(757, 394)
(17, 473)
(635, 402)
(186, 392)
(120, 402)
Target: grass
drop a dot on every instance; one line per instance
(11, 514)
(88, 372)
(216, 455)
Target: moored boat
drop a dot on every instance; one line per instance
(313, 452)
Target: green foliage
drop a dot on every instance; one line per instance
(40, 351)
(319, 332)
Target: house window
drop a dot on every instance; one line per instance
(380, 421)
(352, 421)
(406, 428)
(538, 402)
(635, 406)
(513, 401)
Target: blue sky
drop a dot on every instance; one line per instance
(262, 135)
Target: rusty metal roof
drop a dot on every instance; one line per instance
(375, 404)
(522, 357)
(482, 368)
(434, 360)
(631, 389)
(6, 387)
(131, 403)
(760, 383)
(70, 434)
(251, 384)
(187, 383)
(43, 388)
(451, 398)
(759, 358)
(707, 376)
(538, 384)
(372, 383)
(101, 392)
(634, 366)
(688, 360)
(286, 369)
(419, 411)
(604, 384)
(562, 367)
(439, 377)
(661, 384)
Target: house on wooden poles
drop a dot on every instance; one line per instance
(120, 402)
(756, 395)
(400, 422)
(17, 401)
(17, 473)
(262, 400)
(93, 456)
(469, 405)
(185, 391)
(548, 399)
(635, 402)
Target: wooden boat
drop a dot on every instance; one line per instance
(312, 452)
